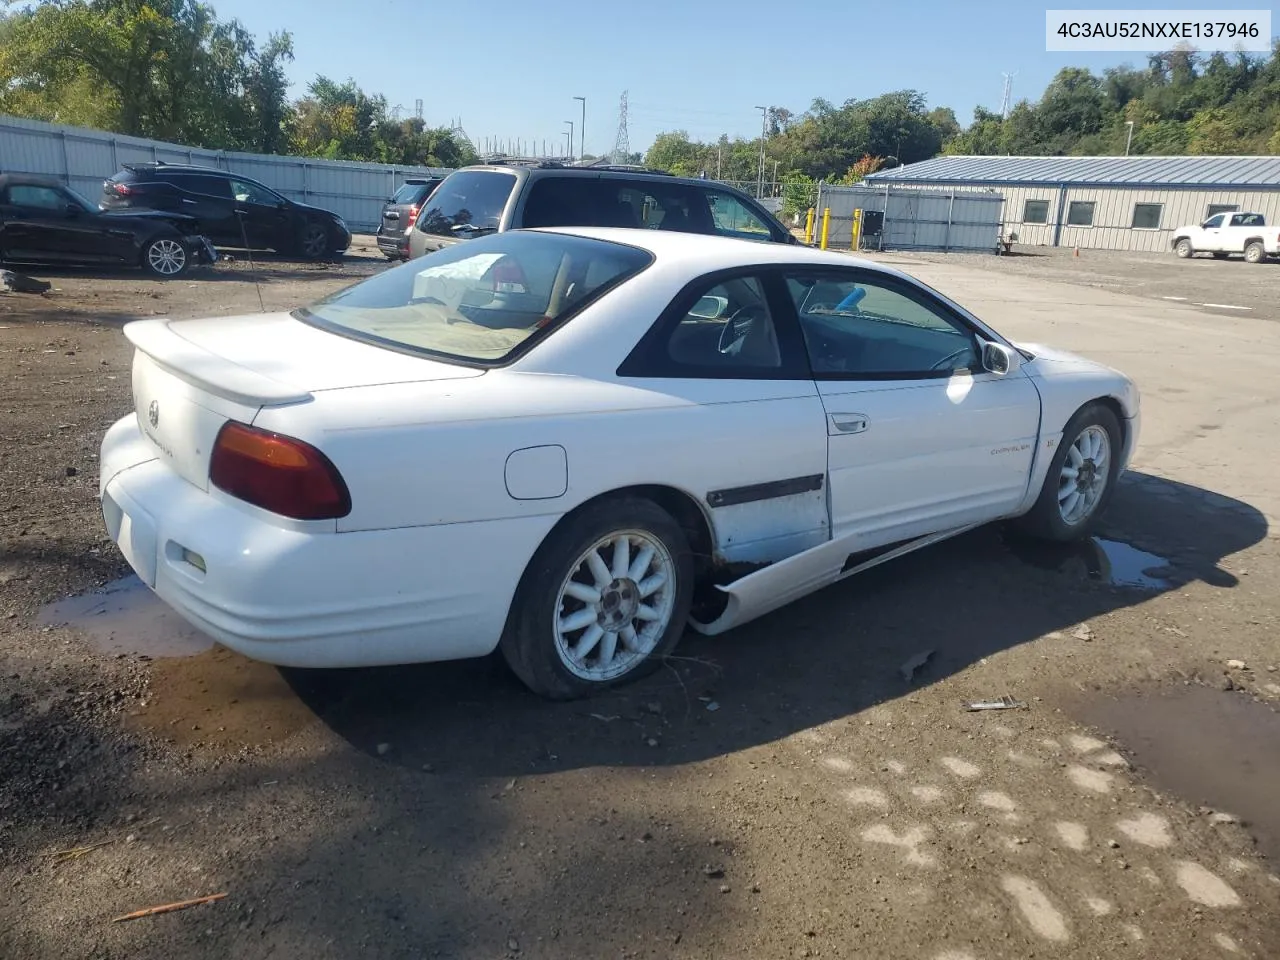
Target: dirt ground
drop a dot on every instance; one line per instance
(1227, 287)
(782, 791)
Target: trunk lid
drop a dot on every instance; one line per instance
(191, 376)
(394, 218)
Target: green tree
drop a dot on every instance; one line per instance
(676, 153)
(159, 68)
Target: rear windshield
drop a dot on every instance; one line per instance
(412, 192)
(479, 302)
(468, 203)
(578, 201)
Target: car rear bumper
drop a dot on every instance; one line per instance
(310, 599)
(391, 244)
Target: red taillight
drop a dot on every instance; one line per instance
(123, 189)
(277, 473)
(413, 214)
(507, 276)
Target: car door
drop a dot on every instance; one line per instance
(1235, 233)
(731, 217)
(1211, 238)
(45, 223)
(207, 197)
(920, 438)
(749, 440)
(265, 215)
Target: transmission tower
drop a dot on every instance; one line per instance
(1008, 91)
(455, 128)
(417, 108)
(622, 143)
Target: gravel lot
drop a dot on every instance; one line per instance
(826, 806)
(1228, 287)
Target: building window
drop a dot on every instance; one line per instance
(1080, 213)
(1146, 216)
(1217, 208)
(1035, 211)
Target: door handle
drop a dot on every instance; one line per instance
(846, 423)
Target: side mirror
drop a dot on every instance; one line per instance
(710, 307)
(998, 359)
(71, 210)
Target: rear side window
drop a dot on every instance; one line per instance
(733, 218)
(206, 186)
(39, 198)
(479, 302)
(468, 203)
(583, 201)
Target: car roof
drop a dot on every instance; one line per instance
(157, 166)
(713, 252)
(610, 171)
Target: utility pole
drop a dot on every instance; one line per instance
(775, 179)
(1128, 140)
(764, 124)
(717, 161)
(582, 130)
(570, 123)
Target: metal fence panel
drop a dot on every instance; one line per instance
(83, 158)
(913, 219)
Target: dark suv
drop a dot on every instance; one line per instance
(233, 211)
(400, 213)
(492, 198)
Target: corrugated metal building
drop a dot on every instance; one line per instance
(1105, 203)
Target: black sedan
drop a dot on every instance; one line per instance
(44, 221)
(232, 210)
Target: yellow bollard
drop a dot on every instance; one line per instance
(808, 227)
(857, 228)
(826, 226)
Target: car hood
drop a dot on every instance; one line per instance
(1052, 361)
(318, 211)
(1055, 363)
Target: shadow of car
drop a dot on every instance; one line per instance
(829, 656)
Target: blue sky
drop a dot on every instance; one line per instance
(511, 69)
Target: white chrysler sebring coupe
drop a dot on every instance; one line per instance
(571, 444)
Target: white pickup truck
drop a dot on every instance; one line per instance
(1227, 233)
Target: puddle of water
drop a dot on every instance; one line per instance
(126, 617)
(1106, 561)
(1210, 747)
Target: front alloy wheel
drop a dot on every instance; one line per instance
(1080, 480)
(1083, 478)
(165, 257)
(314, 240)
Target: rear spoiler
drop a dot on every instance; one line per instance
(207, 370)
